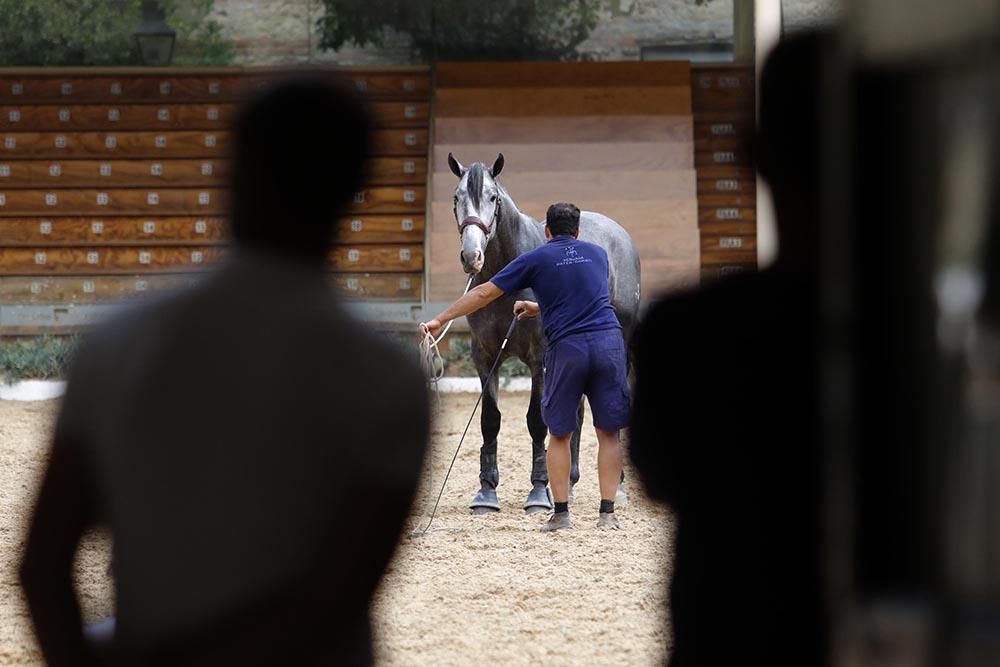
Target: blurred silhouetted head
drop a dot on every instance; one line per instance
(788, 142)
(300, 149)
(563, 219)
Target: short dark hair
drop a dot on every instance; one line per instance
(563, 219)
(299, 155)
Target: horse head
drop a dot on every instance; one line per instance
(477, 209)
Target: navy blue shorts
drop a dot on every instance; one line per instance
(592, 364)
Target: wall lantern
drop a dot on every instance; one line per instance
(153, 37)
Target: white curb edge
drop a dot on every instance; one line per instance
(44, 390)
(32, 390)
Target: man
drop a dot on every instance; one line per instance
(726, 427)
(585, 355)
(252, 449)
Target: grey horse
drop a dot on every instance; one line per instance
(493, 232)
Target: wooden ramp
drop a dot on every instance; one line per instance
(113, 183)
(610, 137)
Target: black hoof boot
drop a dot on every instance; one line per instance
(485, 501)
(539, 499)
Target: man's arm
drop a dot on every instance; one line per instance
(63, 511)
(470, 302)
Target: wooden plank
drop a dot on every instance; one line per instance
(741, 187)
(62, 173)
(723, 124)
(570, 129)
(729, 229)
(200, 201)
(545, 74)
(732, 158)
(380, 229)
(90, 289)
(709, 215)
(582, 186)
(594, 156)
(390, 199)
(728, 200)
(79, 290)
(552, 101)
(722, 76)
(725, 244)
(723, 99)
(722, 271)
(727, 171)
(377, 258)
(143, 231)
(179, 144)
(120, 117)
(712, 144)
(107, 260)
(89, 231)
(380, 286)
(170, 259)
(747, 258)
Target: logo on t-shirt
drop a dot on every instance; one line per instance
(572, 257)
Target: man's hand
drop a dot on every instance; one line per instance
(525, 309)
(433, 327)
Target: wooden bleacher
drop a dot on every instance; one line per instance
(611, 137)
(113, 183)
(723, 101)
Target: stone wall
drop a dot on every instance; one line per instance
(274, 32)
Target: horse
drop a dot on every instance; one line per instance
(487, 247)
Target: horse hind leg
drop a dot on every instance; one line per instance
(486, 501)
(539, 498)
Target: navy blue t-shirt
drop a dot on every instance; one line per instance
(570, 280)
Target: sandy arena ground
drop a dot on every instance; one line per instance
(484, 589)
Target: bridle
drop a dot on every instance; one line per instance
(473, 221)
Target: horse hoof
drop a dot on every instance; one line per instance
(485, 500)
(539, 500)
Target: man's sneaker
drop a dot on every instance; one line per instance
(608, 520)
(557, 521)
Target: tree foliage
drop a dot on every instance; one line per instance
(99, 32)
(464, 30)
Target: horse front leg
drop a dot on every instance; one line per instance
(539, 499)
(486, 501)
(574, 450)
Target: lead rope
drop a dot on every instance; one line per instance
(419, 532)
(430, 356)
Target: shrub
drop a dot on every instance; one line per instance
(36, 358)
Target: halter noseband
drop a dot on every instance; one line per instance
(473, 221)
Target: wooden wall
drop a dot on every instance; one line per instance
(723, 101)
(113, 182)
(610, 137)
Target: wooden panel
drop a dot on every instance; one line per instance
(382, 286)
(721, 271)
(91, 289)
(156, 173)
(396, 170)
(721, 158)
(708, 215)
(111, 231)
(191, 144)
(543, 74)
(107, 260)
(582, 186)
(728, 200)
(596, 156)
(729, 229)
(723, 244)
(23, 290)
(112, 117)
(111, 202)
(109, 144)
(380, 229)
(389, 199)
(111, 173)
(413, 85)
(712, 144)
(563, 101)
(570, 129)
(732, 184)
(723, 124)
(372, 258)
(714, 259)
(722, 77)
